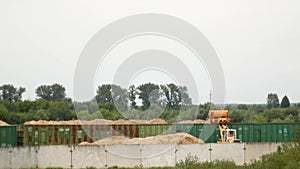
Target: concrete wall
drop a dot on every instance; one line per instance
(128, 155)
(255, 150)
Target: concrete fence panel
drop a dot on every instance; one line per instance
(201, 151)
(54, 156)
(129, 155)
(233, 152)
(88, 156)
(158, 155)
(255, 150)
(123, 155)
(5, 157)
(24, 157)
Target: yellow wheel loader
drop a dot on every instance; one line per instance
(221, 118)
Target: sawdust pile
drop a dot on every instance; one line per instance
(96, 122)
(197, 121)
(2, 123)
(178, 138)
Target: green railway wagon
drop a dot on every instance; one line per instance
(35, 135)
(210, 133)
(263, 132)
(147, 130)
(266, 132)
(8, 136)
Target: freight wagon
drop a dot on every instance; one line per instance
(266, 132)
(35, 135)
(74, 134)
(8, 136)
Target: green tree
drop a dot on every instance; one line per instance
(90, 106)
(110, 93)
(58, 92)
(148, 93)
(242, 106)
(84, 115)
(186, 100)
(104, 94)
(177, 97)
(274, 114)
(285, 102)
(41, 115)
(119, 97)
(44, 92)
(236, 116)
(60, 111)
(4, 114)
(55, 92)
(132, 96)
(173, 96)
(272, 100)
(11, 93)
(203, 110)
(259, 118)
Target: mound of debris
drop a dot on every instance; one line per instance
(178, 138)
(2, 123)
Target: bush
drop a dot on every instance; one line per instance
(192, 162)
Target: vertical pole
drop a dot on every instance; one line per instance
(10, 159)
(210, 149)
(71, 156)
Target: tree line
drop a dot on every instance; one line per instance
(146, 101)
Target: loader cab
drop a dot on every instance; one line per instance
(230, 136)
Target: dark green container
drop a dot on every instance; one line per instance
(8, 136)
(210, 133)
(147, 130)
(265, 132)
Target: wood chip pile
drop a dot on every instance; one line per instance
(96, 122)
(2, 123)
(178, 138)
(197, 121)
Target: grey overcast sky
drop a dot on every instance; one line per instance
(257, 42)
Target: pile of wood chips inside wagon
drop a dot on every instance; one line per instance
(178, 138)
(96, 122)
(2, 123)
(196, 121)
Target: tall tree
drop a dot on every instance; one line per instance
(176, 96)
(11, 93)
(44, 92)
(58, 92)
(132, 96)
(55, 92)
(272, 100)
(148, 93)
(186, 100)
(104, 94)
(119, 97)
(285, 102)
(110, 93)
